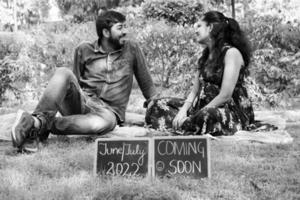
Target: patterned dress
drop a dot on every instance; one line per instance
(226, 119)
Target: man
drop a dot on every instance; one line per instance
(93, 97)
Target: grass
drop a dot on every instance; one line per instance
(240, 170)
(63, 170)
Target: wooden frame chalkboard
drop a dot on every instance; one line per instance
(182, 155)
(123, 156)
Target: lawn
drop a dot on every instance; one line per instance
(240, 170)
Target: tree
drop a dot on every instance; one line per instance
(83, 10)
(15, 16)
(233, 8)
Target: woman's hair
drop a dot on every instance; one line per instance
(225, 31)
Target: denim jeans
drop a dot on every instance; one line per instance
(81, 115)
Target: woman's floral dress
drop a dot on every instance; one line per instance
(234, 115)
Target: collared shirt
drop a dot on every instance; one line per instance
(108, 77)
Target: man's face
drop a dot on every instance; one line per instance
(117, 35)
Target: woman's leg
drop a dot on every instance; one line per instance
(214, 121)
(161, 112)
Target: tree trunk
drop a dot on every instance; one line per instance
(15, 16)
(233, 8)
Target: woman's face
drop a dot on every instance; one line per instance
(202, 31)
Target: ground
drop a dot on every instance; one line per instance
(63, 169)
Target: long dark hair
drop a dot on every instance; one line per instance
(225, 31)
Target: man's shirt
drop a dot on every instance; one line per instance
(108, 77)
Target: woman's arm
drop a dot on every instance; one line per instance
(233, 61)
(191, 97)
(182, 114)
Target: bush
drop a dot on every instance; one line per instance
(288, 37)
(10, 44)
(174, 11)
(168, 44)
(12, 69)
(5, 79)
(277, 73)
(80, 10)
(14, 74)
(274, 62)
(270, 31)
(28, 63)
(83, 10)
(172, 54)
(55, 43)
(125, 3)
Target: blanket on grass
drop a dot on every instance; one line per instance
(134, 122)
(280, 136)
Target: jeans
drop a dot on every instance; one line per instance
(81, 114)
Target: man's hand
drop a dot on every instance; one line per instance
(147, 103)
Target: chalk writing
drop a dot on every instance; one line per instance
(122, 157)
(122, 169)
(166, 147)
(125, 150)
(183, 155)
(187, 167)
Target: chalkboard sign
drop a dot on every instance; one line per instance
(123, 157)
(182, 155)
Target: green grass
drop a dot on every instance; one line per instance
(63, 169)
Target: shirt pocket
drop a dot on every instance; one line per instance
(122, 67)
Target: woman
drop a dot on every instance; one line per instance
(218, 103)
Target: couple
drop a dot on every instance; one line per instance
(93, 96)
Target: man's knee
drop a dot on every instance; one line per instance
(100, 125)
(64, 73)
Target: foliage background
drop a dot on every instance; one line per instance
(239, 170)
(164, 28)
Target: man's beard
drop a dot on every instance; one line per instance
(115, 42)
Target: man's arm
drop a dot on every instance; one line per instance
(142, 75)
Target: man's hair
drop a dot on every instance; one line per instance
(106, 19)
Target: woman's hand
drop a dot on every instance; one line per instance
(182, 114)
(179, 119)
